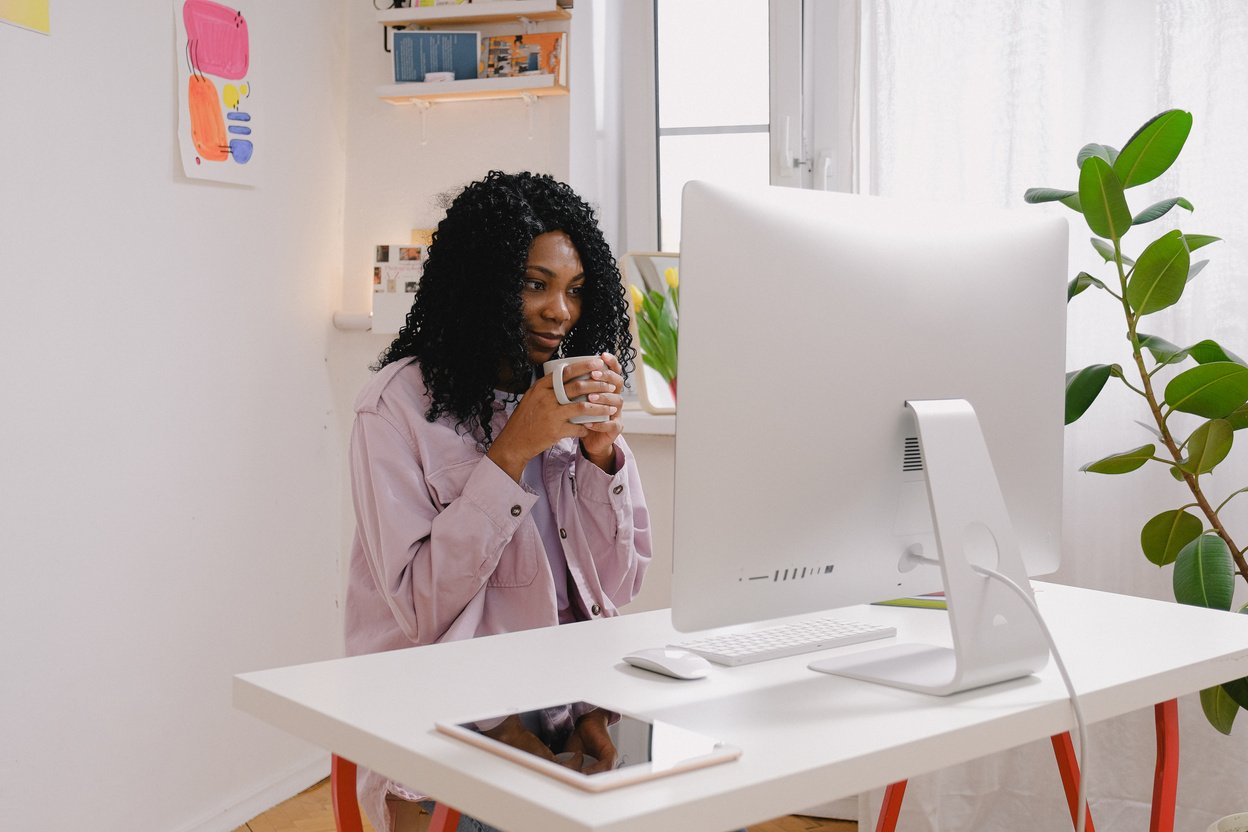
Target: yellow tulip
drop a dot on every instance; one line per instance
(672, 276)
(637, 297)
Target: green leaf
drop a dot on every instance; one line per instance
(1162, 350)
(1082, 281)
(1203, 573)
(1207, 352)
(1106, 250)
(1068, 198)
(1176, 473)
(1122, 463)
(1220, 709)
(1082, 388)
(1238, 418)
(1207, 446)
(1153, 148)
(1195, 241)
(1212, 390)
(1104, 206)
(1167, 533)
(1160, 275)
(1104, 151)
(1238, 690)
(1159, 209)
(1197, 268)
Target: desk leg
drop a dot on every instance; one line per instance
(892, 807)
(445, 819)
(1068, 766)
(1166, 776)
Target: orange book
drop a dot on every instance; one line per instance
(539, 53)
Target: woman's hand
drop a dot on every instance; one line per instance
(590, 738)
(599, 441)
(539, 420)
(512, 731)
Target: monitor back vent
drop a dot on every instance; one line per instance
(912, 457)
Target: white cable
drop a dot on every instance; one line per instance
(1081, 811)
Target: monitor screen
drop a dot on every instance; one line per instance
(808, 320)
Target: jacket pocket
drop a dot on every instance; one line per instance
(447, 484)
(518, 565)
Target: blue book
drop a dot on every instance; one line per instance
(420, 52)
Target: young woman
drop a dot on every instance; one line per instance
(480, 508)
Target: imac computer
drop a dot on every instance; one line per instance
(871, 407)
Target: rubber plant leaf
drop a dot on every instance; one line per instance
(1203, 573)
(1166, 534)
(1153, 148)
(1214, 390)
(1160, 275)
(1104, 206)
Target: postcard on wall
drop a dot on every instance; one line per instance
(28, 14)
(217, 100)
(397, 268)
(420, 52)
(537, 53)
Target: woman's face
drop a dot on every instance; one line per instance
(551, 296)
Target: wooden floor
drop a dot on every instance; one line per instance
(312, 811)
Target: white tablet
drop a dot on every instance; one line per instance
(644, 748)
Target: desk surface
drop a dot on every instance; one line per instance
(806, 738)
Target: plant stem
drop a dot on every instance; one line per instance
(1193, 482)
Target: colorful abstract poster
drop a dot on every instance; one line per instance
(216, 93)
(29, 14)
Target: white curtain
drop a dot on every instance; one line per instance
(977, 100)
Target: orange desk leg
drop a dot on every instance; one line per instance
(1166, 776)
(892, 807)
(1068, 765)
(445, 819)
(342, 790)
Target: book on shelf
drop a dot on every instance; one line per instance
(419, 52)
(535, 53)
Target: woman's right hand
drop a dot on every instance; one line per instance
(539, 420)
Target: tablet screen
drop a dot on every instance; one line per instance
(593, 740)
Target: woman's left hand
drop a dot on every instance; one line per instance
(599, 443)
(590, 737)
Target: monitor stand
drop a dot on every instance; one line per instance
(995, 636)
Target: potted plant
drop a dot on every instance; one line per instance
(1195, 395)
(658, 321)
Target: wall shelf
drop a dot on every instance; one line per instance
(472, 89)
(498, 11)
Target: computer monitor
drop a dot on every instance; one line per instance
(808, 321)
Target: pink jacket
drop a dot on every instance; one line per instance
(444, 546)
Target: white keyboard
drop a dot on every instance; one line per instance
(785, 640)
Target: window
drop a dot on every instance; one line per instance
(712, 88)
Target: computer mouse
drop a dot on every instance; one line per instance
(670, 661)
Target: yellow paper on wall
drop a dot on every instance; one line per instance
(29, 14)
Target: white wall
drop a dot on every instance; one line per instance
(170, 459)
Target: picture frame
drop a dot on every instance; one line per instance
(645, 269)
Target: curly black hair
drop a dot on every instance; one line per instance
(466, 323)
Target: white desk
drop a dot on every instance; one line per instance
(806, 738)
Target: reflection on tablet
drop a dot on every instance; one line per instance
(591, 746)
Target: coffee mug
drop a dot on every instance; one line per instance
(554, 369)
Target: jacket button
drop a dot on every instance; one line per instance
(515, 511)
(617, 489)
(563, 533)
(595, 610)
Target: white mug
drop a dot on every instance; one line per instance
(554, 369)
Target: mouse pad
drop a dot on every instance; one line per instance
(568, 741)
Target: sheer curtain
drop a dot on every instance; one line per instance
(977, 100)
